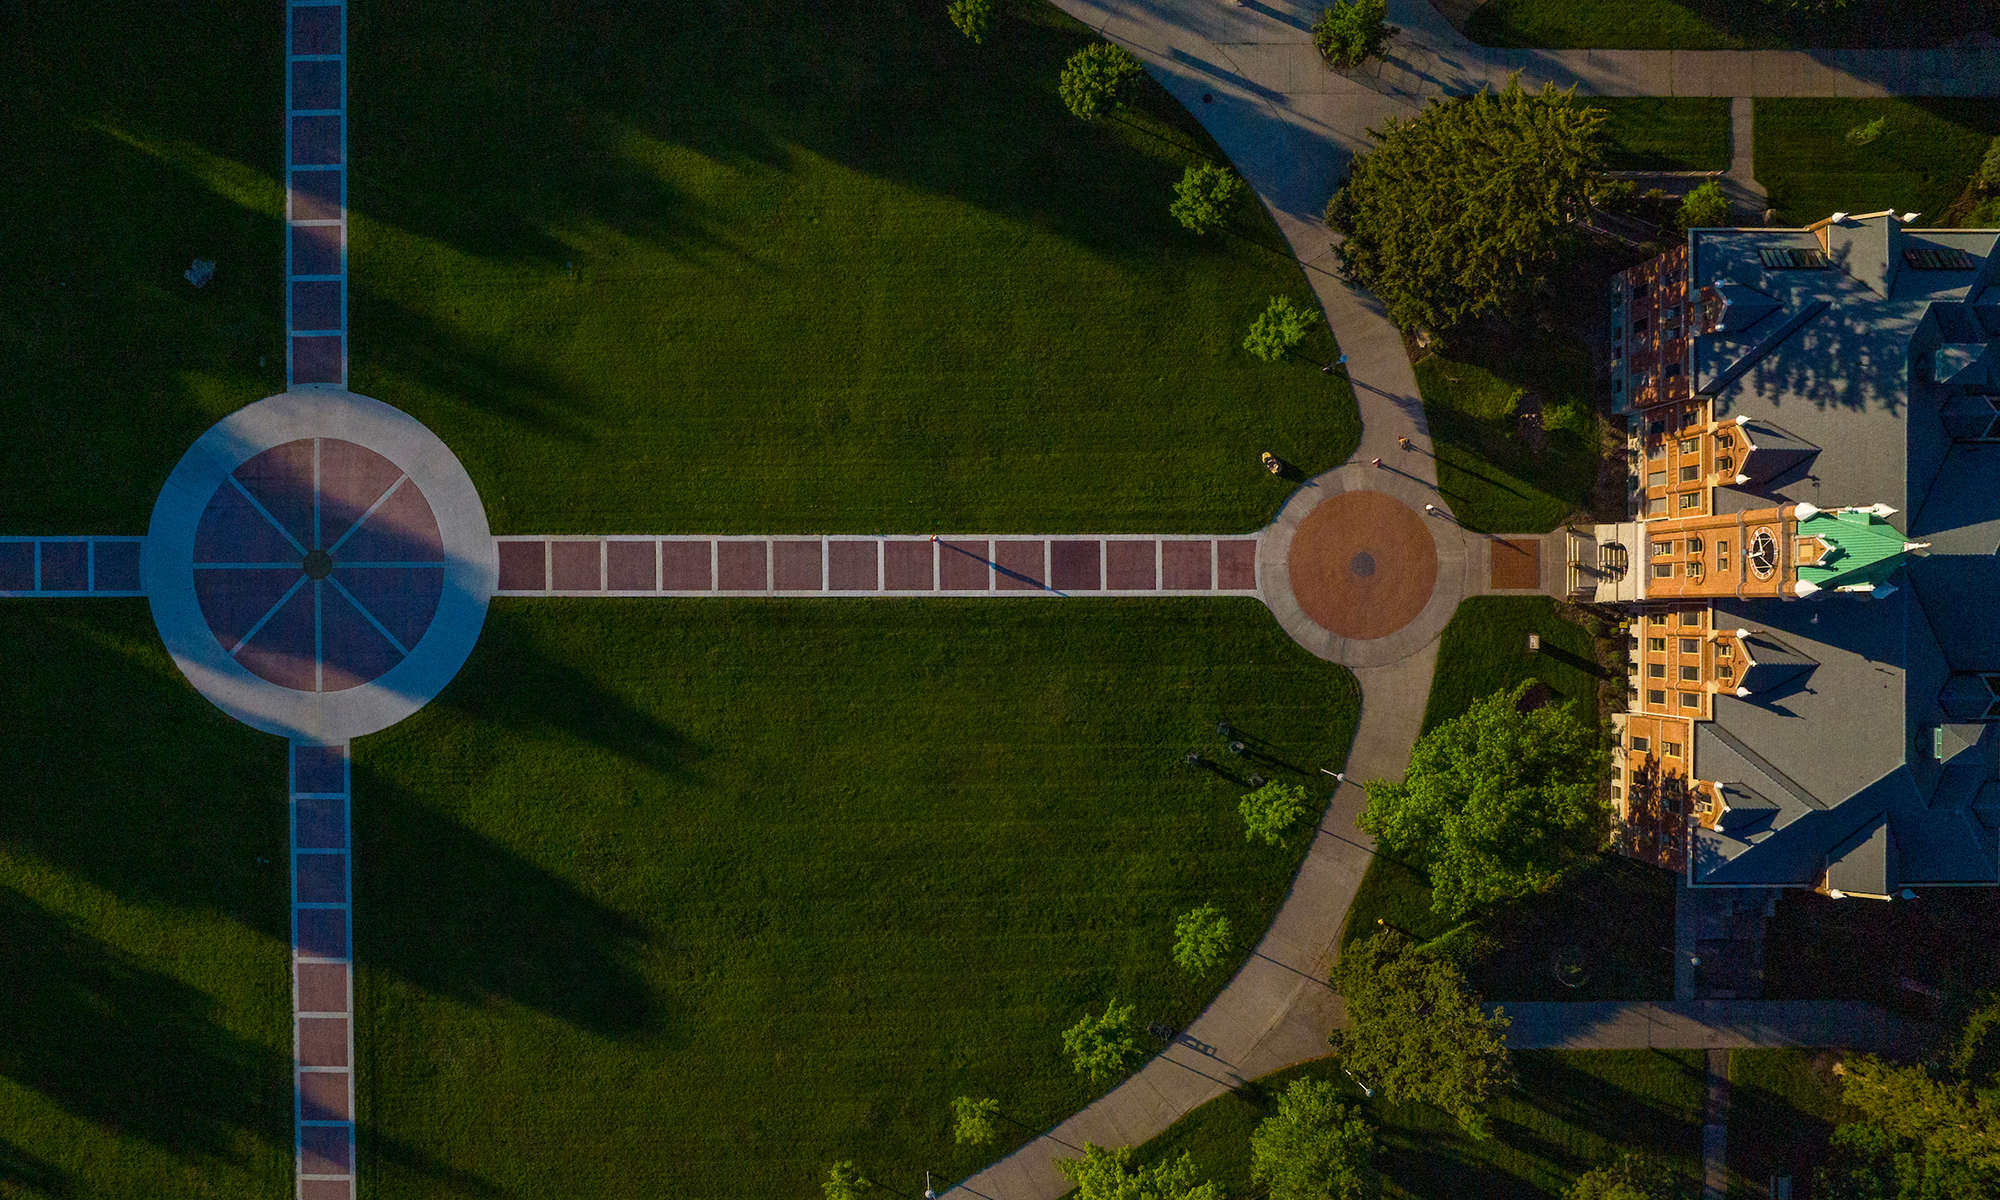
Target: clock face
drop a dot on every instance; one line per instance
(318, 565)
(1763, 553)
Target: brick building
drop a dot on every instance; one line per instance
(1812, 557)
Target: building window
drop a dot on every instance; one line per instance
(1672, 370)
(1691, 472)
(1687, 418)
(1789, 259)
(1691, 618)
(1657, 697)
(1725, 463)
(1929, 259)
(1656, 479)
(1639, 291)
(1694, 569)
(1724, 650)
(1657, 618)
(1721, 555)
(1670, 749)
(1640, 379)
(1663, 548)
(1690, 674)
(1690, 500)
(1641, 744)
(1657, 645)
(1656, 670)
(1725, 670)
(1656, 507)
(1663, 570)
(1656, 450)
(1690, 446)
(1639, 327)
(1690, 699)
(1722, 439)
(1690, 645)
(1694, 546)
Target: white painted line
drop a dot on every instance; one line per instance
(358, 521)
(255, 629)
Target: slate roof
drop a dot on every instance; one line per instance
(1870, 380)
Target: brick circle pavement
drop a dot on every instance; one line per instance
(1362, 565)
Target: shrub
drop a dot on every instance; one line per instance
(1632, 1177)
(1989, 167)
(1110, 1175)
(1201, 940)
(1272, 810)
(1279, 328)
(1100, 1047)
(1100, 78)
(1353, 31)
(972, 1120)
(974, 18)
(1204, 196)
(1615, 195)
(844, 1182)
(1706, 207)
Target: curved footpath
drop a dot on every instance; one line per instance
(1249, 72)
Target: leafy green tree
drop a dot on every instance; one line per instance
(1418, 1031)
(1632, 1177)
(1278, 329)
(1867, 1162)
(1948, 1117)
(1100, 1047)
(1201, 940)
(1353, 31)
(1496, 800)
(972, 1120)
(1989, 166)
(1313, 1147)
(1204, 196)
(1462, 208)
(1099, 79)
(974, 18)
(844, 1182)
(1706, 207)
(1109, 1175)
(1272, 810)
(1927, 1132)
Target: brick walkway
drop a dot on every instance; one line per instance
(1028, 565)
(316, 193)
(70, 566)
(322, 965)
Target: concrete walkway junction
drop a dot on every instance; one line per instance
(319, 564)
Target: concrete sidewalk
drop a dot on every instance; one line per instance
(1710, 1024)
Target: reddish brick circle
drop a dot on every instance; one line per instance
(1363, 565)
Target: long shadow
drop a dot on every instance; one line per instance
(30, 1172)
(1578, 661)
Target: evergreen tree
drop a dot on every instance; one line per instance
(1461, 209)
(1099, 79)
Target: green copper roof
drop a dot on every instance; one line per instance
(1866, 549)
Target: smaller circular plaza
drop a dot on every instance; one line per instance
(1362, 565)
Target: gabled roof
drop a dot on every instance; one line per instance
(1864, 549)
(1865, 863)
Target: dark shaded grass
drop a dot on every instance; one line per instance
(1783, 1106)
(696, 897)
(1920, 163)
(1665, 133)
(1724, 24)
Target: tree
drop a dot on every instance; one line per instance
(844, 1182)
(1278, 329)
(1272, 810)
(972, 1120)
(1353, 31)
(1201, 940)
(1418, 1032)
(1313, 1147)
(1204, 196)
(1462, 208)
(974, 18)
(1867, 1162)
(1109, 1175)
(1100, 1047)
(1948, 1118)
(1496, 800)
(1100, 78)
(1706, 207)
(1632, 1177)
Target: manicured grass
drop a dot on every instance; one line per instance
(1723, 24)
(1493, 478)
(1942, 940)
(143, 894)
(694, 898)
(1484, 649)
(838, 269)
(1618, 915)
(1783, 1104)
(1919, 163)
(1666, 133)
(1574, 1110)
(135, 137)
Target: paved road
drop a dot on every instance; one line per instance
(1290, 125)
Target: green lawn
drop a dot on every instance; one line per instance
(1494, 479)
(1921, 160)
(143, 894)
(649, 904)
(1783, 1105)
(1723, 24)
(1574, 1110)
(765, 268)
(1484, 649)
(1666, 133)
